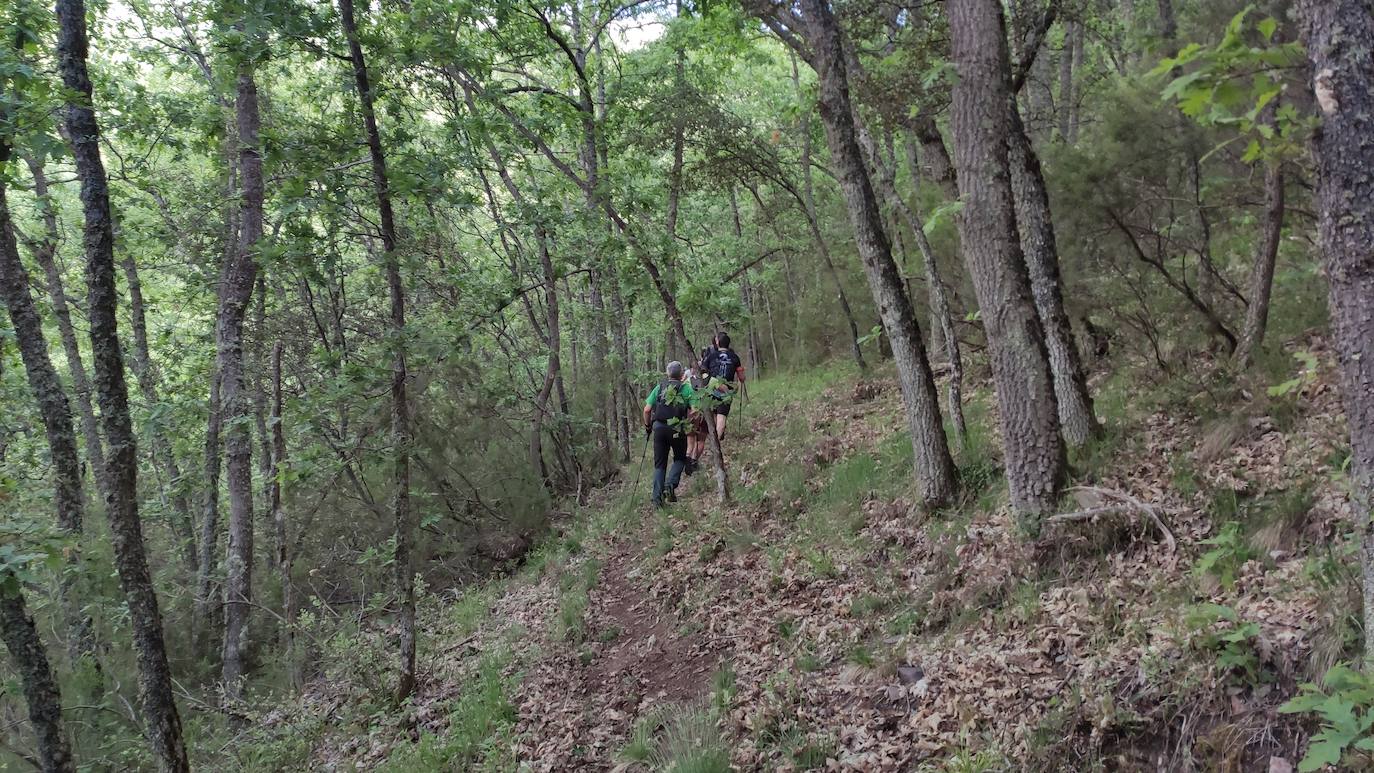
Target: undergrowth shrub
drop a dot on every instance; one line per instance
(1344, 707)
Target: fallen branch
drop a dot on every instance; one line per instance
(1125, 504)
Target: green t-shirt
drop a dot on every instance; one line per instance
(685, 391)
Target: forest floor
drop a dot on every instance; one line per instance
(822, 622)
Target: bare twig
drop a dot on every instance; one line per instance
(1125, 503)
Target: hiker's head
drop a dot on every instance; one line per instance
(723, 340)
(674, 370)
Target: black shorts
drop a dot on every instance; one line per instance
(723, 409)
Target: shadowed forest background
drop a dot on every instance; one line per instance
(328, 331)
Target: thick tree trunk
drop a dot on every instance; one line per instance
(1340, 43)
(1076, 419)
(236, 289)
(162, 722)
(36, 675)
(813, 224)
(1262, 273)
(45, 252)
(400, 411)
(1025, 388)
(934, 467)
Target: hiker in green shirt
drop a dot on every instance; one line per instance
(665, 419)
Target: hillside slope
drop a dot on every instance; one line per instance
(822, 623)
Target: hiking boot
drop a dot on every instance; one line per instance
(658, 503)
(690, 467)
(672, 496)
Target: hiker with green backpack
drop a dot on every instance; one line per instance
(666, 422)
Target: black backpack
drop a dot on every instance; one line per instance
(724, 364)
(670, 404)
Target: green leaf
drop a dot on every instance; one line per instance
(1267, 27)
(1181, 84)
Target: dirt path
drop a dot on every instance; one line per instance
(579, 704)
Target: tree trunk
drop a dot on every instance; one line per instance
(56, 414)
(552, 325)
(1076, 419)
(45, 252)
(1025, 389)
(1262, 274)
(1340, 43)
(812, 223)
(1066, 83)
(207, 608)
(261, 370)
(400, 412)
(183, 523)
(236, 290)
(162, 722)
(1168, 27)
(1076, 92)
(280, 545)
(939, 302)
(624, 394)
(36, 675)
(934, 155)
(934, 467)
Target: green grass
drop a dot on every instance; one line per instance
(679, 740)
(575, 586)
(481, 721)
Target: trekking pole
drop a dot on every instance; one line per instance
(639, 472)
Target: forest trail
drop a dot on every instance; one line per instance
(820, 622)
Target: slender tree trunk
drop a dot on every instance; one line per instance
(36, 675)
(939, 167)
(261, 372)
(1025, 388)
(1340, 44)
(887, 188)
(207, 608)
(1262, 273)
(280, 545)
(1066, 83)
(56, 414)
(236, 290)
(624, 394)
(1075, 93)
(934, 155)
(45, 252)
(809, 203)
(1076, 419)
(552, 326)
(934, 468)
(1168, 26)
(162, 722)
(183, 521)
(400, 412)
